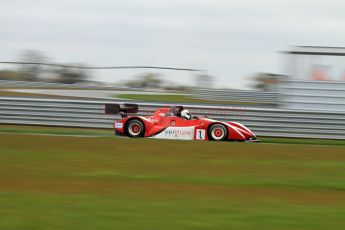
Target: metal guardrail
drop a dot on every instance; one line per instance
(320, 95)
(263, 121)
(236, 95)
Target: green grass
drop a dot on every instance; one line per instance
(6, 93)
(104, 212)
(58, 182)
(176, 98)
(303, 141)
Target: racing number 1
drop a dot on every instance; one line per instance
(200, 134)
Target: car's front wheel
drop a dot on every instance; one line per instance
(217, 132)
(135, 128)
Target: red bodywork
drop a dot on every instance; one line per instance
(163, 125)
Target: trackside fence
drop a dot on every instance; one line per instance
(90, 114)
(252, 96)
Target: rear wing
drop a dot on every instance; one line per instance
(122, 110)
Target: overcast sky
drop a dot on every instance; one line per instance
(232, 40)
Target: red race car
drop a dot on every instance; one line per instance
(176, 123)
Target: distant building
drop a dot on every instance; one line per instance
(315, 79)
(316, 63)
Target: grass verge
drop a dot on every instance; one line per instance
(6, 93)
(177, 98)
(55, 182)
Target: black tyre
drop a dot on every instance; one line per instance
(217, 132)
(135, 128)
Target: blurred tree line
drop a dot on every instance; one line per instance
(70, 75)
(42, 73)
(266, 81)
(153, 81)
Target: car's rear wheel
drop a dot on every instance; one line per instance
(217, 132)
(135, 128)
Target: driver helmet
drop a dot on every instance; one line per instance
(186, 114)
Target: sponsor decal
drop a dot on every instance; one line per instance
(181, 133)
(118, 125)
(155, 120)
(173, 122)
(178, 132)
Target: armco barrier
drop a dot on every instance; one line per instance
(263, 121)
(323, 95)
(258, 97)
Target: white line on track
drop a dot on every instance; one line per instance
(95, 136)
